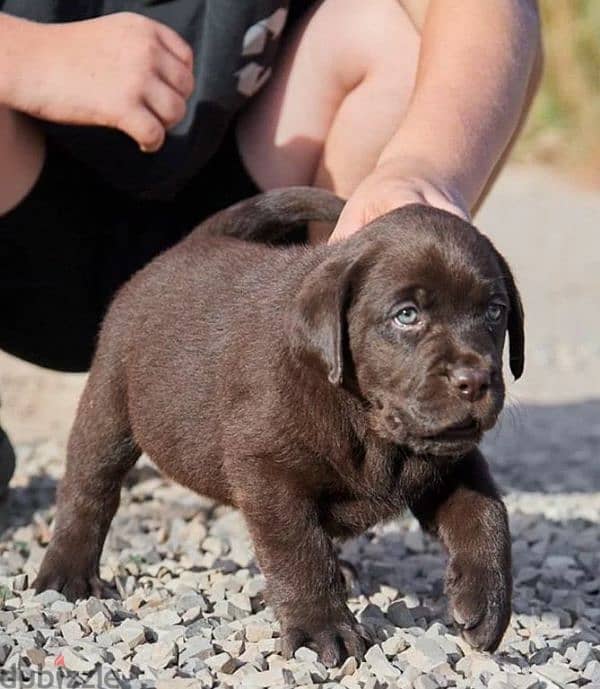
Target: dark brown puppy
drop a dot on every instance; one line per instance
(320, 390)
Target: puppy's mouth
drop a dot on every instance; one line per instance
(420, 431)
(454, 439)
(467, 429)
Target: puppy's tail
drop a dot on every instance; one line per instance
(272, 216)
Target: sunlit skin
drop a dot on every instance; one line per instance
(385, 102)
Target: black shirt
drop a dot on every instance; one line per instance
(234, 43)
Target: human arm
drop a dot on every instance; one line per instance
(121, 70)
(473, 80)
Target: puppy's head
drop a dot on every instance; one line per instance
(411, 315)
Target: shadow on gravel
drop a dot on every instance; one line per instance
(556, 561)
(22, 502)
(556, 586)
(552, 448)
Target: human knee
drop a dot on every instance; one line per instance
(22, 153)
(363, 40)
(6, 125)
(537, 70)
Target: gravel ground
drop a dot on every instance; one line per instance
(191, 612)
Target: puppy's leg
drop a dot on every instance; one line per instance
(100, 452)
(304, 583)
(466, 512)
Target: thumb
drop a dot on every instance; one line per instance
(350, 221)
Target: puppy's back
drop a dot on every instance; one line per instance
(192, 334)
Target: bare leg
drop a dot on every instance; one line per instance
(337, 94)
(7, 462)
(100, 452)
(336, 97)
(469, 517)
(22, 153)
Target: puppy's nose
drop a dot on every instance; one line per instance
(471, 383)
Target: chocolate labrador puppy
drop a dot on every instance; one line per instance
(320, 390)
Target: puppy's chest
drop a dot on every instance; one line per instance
(371, 489)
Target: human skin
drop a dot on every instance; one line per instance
(423, 110)
(73, 73)
(382, 102)
(63, 80)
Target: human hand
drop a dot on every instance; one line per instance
(122, 70)
(392, 185)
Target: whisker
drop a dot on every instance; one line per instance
(514, 412)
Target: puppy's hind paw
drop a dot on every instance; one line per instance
(74, 586)
(333, 643)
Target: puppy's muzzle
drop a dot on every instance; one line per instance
(471, 383)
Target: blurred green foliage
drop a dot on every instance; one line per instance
(564, 124)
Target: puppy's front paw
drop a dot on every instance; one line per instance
(480, 599)
(333, 641)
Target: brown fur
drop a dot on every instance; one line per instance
(277, 380)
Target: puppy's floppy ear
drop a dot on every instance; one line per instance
(318, 321)
(516, 329)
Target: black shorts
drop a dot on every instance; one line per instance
(73, 241)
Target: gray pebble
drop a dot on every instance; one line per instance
(346, 669)
(132, 633)
(394, 645)
(20, 582)
(425, 654)
(62, 607)
(380, 665)
(47, 597)
(426, 682)
(71, 631)
(162, 618)
(306, 654)
(6, 617)
(190, 600)
(400, 615)
(592, 671)
(582, 656)
(475, 664)
(197, 647)
(221, 662)
(5, 651)
(76, 661)
(36, 656)
(256, 631)
(155, 655)
(559, 674)
(98, 623)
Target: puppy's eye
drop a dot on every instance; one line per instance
(494, 312)
(407, 315)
